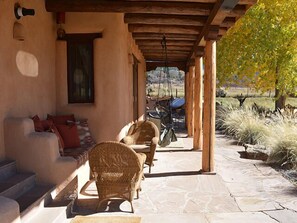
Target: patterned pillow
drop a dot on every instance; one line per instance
(84, 134)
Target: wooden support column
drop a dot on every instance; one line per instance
(209, 107)
(186, 98)
(197, 140)
(190, 90)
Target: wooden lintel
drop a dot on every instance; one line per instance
(239, 10)
(247, 2)
(168, 43)
(169, 55)
(178, 8)
(228, 22)
(161, 19)
(178, 51)
(163, 29)
(152, 65)
(159, 47)
(212, 33)
(159, 36)
(221, 10)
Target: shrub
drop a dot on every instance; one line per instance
(245, 126)
(283, 141)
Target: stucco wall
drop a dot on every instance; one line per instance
(111, 113)
(27, 67)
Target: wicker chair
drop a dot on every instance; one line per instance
(144, 133)
(117, 170)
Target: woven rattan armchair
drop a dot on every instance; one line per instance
(117, 170)
(144, 133)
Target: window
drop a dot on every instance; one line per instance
(80, 67)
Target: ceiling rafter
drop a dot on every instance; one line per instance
(163, 19)
(185, 23)
(172, 7)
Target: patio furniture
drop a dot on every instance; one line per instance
(117, 170)
(144, 133)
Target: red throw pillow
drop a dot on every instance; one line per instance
(61, 119)
(69, 134)
(54, 129)
(37, 124)
(47, 124)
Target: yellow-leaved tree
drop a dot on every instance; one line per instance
(261, 49)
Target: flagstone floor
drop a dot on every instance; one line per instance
(242, 190)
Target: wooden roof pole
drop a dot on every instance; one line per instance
(197, 138)
(189, 100)
(209, 107)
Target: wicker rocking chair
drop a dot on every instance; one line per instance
(117, 171)
(144, 133)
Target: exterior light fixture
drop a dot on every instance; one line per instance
(19, 11)
(60, 20)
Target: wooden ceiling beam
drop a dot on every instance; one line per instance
(193, 1)
(220, 11)
(144, 51)
(152, 65)
(168, 43)
(228, 22)
(164, 29)
(157, 19)
(247, 2)
(157, 47)
(238, 11)
(159, 36)
(157, 7)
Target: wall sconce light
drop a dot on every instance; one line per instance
(19, 11)
(60, 19)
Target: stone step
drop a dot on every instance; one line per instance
(56, 212)
(34, 201)
(16, 185)
(7, 169)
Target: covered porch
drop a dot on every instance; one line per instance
(243, 190)
(124, 40)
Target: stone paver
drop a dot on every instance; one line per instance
(243, 190)
(257, 204)
(243, 217)
(283, 216)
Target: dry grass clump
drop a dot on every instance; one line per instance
(283, 142)
(243, 125)
(276, 131)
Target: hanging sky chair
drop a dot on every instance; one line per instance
(163, 108)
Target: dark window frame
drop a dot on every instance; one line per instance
(74, 40)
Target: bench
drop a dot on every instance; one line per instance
(38, 152)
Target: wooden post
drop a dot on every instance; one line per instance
(190, 90)
(209, 107)
(197, 141)
(186, 98)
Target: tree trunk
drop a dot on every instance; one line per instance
(280, 98)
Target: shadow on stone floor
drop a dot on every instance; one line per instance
(172, 174)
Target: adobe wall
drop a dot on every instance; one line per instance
(110, 115)
(27, 79)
